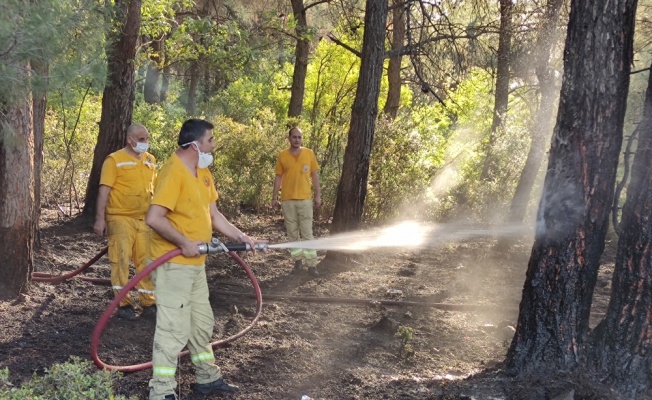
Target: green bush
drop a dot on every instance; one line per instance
(76, 379)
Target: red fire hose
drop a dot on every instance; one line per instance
(214, 247)
(45, 277)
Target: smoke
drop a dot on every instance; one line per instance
(561, 209)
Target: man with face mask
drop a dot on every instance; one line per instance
(183, 214)
(126, 188)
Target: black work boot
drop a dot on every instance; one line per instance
(149, 312)
(127, 313)
(170, 397)
(298, 266)
(218, 386)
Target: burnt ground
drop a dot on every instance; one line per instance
(333, 350)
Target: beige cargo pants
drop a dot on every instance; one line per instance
(184, 318)
(298, 224)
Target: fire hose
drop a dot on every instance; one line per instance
(215, 246)
(45, 277)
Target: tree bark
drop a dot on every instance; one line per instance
(119, 92)
(301, 53)
(543, 118)
(501, 98)
(573, 213)
(39, 109)
(394, 68)
(352, 188)
(623, 340)
(17, 184)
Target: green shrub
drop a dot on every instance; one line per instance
(74, 380)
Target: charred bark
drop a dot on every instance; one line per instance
(119, 93)
(623, 340)
(352, 188)
(573, 213)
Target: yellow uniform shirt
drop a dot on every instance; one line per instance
(297, 173)
(131, 181)
(188, 201)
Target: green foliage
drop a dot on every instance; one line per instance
(407, 152)
(466, 194)
(76, 379)
(61, 39)
(245, 158)
(405, 334)
(69, 138)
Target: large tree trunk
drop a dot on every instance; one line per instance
(352, 189)
(501, 98)
(578, 190)
(394, 68)
(17, 183)
(623, 340)
(301, 53)
(118, 96)
(543, 118)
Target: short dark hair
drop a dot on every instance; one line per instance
(192, 130)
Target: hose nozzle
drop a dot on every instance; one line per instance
(215, 246)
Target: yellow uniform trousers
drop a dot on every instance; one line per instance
(184, 318)
(298, 224)
(128, 241)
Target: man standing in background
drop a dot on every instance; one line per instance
(126, 188)
(295, 168)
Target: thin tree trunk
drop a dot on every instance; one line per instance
(352, 189)
(17, 183)
(301, 53)
(501, 99)
(394, 68)
(543, 119)
(119, 93)
(191, 106)
(153, 75)
(39, 109)
(623, 340)
(578, 191)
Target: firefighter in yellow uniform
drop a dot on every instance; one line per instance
(183, 215)
(126, 188)
(295, 168)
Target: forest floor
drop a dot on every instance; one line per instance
(300, 349)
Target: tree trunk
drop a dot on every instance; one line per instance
(39, 109)
(501, 99)
(301, 53)
(352, 189)
(623, 340)
(578, 189)
(153, 75)
(543, 118)
(165, 84)
(118, 96)
(394, 68)
(193, 71)
(17, 183)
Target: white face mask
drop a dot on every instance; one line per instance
(205, 159)
(140, 147)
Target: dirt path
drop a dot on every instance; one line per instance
(320, 350)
